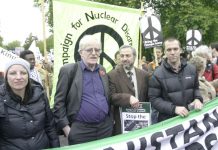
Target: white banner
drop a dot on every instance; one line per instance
(198, 131)
(5, 56)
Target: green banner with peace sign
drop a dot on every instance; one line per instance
(112, 25)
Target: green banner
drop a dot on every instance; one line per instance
(197, 131)
(113, 25)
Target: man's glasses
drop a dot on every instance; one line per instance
(90, 50)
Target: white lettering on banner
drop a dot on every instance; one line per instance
(152, 42)
(199, 133)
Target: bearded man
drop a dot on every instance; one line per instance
(128, 85)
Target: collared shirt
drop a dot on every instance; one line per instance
(176, 70)
(94, 107)
(134, 80)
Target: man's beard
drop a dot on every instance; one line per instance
(128, 67)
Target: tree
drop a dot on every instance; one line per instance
(176, 16)
(49, 14)
(179, 16)
(12, 45)
(1, 41)
(49, 44)
(125, 3)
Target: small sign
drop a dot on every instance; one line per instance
(133, 119)
(193, 39)
(151, 31)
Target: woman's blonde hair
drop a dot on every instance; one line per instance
(199, 62)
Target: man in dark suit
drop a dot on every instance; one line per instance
(128, 85)
(81, 101)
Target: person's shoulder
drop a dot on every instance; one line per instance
(141, 71)
(35, 83)
(69, 65)
(68, 68)
(160, 72)
(159, 69)
(115, 71)
(190, 67)
(2, 90)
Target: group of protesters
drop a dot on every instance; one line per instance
(87, 98)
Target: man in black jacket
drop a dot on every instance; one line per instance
(82, 96)
(174, 87)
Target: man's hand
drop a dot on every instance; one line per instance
(197, 104)
(66, 130)
(134, 102)
(181, 111)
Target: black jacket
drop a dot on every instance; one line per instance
(168, 89)
(30, 126)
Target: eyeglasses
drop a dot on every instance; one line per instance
(90, 50)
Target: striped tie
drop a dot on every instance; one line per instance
(130, 74)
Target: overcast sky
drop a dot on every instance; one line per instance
(18, 18)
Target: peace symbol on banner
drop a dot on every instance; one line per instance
(102, 30)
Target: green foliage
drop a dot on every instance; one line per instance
(177, 16)
(12, 45)
(1, 41)
(49, 14)
(125, 3)
(49, 44)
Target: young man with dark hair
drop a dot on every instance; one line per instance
(174, 86)
(29, 56)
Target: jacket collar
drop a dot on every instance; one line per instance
(169, 67)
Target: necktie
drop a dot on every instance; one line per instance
(130, 74)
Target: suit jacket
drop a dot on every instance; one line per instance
(121, 89)
(67, 104)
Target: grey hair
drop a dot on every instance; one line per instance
(128, 46)
(202, 51)
(86, 40)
